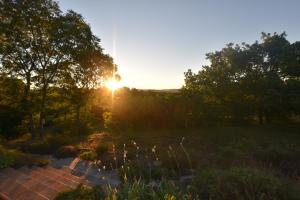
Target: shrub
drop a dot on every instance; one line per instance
(283, 158)
(29, 159)
(66, 151)
(108, 120)
(81, 128)
(138, 189)
(81, 192)
(48, 145)
(15, 158)
(229, 156)
(6, 160)
(88, 155)
(10, 119)
(39, 148)
(2, 149)
(240, 183)
(101, 149)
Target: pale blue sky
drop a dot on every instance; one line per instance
(157, 40)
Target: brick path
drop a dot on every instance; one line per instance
(42, 183)
(38, 183)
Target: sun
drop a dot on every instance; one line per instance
(112, 84)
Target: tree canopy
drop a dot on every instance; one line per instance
(45, 47)
(244, 80)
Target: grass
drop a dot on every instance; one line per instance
(224, 162)
(249, 162)
(218, 146)
(242, 183)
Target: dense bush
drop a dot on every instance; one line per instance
(66, 151)
(10, 120)
(82, 192)
(15, 158)
(101, 149)
(283, 157)
(166, 189)
(47, 145)
(88, 155)
(241, 183)
(138, 109)
(6, 160)
(136, 190)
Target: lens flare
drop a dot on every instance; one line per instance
(112, 84)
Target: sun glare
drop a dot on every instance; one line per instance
(112, 84)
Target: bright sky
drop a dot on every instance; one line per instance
(154, 41)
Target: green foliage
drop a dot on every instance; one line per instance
(230, 156)
(66, 151)
(48, 145)
(15, 158)
(240, 183)
(108, 120)
(88, 155)
(283, 157)
(246, 80)
(101, 149)
(6, 160)
(11, 111)
(140, 110)
(82, 192)
(47, 48)
(80, 129)
(136, 190)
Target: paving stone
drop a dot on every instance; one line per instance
(59, 163)
(30, 195)
(44, 183)
(44, 190)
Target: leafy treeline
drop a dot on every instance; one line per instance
(249, 80)
(46, 48)
(247, 83)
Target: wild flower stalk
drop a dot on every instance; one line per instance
(124, 154)
(186, 154)
(115, 157)
(137, 148)
(123, 168)
(172, 154)
(155, 153)
(148, 158)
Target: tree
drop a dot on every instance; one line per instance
(11, 113)
(243, 80)
(45, 47)
(21, 27)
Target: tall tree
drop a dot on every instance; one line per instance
(243, 80)
(42, 46)
(21, 26)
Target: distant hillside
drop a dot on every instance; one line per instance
(162, 90)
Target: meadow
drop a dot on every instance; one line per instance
(226, 162)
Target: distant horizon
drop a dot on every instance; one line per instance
(154, 43)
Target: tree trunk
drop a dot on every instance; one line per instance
(42, 112)
(260, 116)
(267, 117)
(78, 114)
(65, 117)
(28, 107)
